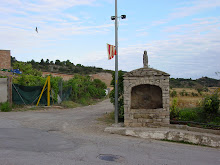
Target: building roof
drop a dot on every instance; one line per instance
(142, 72)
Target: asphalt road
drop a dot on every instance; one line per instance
(74, 137)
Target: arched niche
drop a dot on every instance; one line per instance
(146, 96)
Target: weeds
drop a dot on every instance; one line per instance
(108, 118)
(6, 107)
(69, 104)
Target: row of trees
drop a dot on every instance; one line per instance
(62, 67)
(83, 87)
(198, 83)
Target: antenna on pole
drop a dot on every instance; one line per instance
(116, 58)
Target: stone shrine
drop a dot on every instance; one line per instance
(146, 97)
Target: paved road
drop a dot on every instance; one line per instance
(74, 136)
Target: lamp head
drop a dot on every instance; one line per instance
(112, 17)
(123, 16)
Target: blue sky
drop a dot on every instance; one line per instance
(182, 37)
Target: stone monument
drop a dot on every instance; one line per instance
(146, 97)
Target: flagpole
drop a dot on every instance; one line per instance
(116, 63)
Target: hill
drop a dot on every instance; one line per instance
(67, 69)
(198, 83)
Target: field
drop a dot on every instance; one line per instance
(105, 77)
(192, 98)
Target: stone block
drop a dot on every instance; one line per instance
(136, 124)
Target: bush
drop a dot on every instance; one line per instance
(183, 93)
(83, 101)
(194, 94)
(188, 114)
(6, 107)
(211, 104)
(174, 110)
(173, 93)
(120, 94)
(84, 89)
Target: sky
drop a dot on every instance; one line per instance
(182, 37)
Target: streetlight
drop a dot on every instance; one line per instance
(116, 59)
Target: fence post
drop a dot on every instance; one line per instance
(9, 84)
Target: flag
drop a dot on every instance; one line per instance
(111, 51)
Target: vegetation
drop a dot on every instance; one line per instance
(174, 110)
(197, 84)
(210, 105)
(205, 112)
(120, 93)
(108, 118)
(5, 107)
(84, 90)
(66, 67)
(173, 93)
(69, 104)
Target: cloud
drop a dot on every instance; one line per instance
(186, 52)
(188, 9)
(50, 16)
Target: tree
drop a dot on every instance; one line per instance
(120, 93)
(57, 62)
(42, 62)
(13, 60)
(26, 69)
(68, 63)
(47, 61)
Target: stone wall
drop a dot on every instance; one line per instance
(146, 117)
(5, 62)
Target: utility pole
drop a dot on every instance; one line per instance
(116, 58)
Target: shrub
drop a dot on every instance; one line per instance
(182, 93)
(188, 114)
(120, 93)
(174, 110)
(84, 89)
(173, 93)
(83, 101)
(199, 90)
(211, 104)
(194, 94)
(6, 107)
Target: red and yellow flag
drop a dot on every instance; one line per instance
(111, 51)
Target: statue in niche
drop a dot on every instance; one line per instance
(145, 59)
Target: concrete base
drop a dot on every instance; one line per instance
(195, 136)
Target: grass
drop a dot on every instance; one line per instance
(189, 108)
(5, 107)
(108, 118)
(190, 101)
(189, 114)
(70, 104)
(64, 104)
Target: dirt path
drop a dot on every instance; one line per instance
(82, 119)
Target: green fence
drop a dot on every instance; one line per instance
(28, 95)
